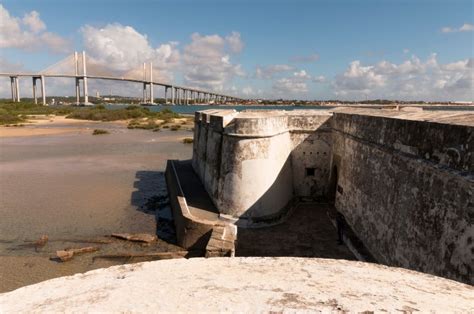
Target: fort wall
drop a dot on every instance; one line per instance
(406, 189)
(255, 164)
(404, 185)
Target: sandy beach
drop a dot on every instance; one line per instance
(57, 179)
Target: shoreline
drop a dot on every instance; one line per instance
(40, 125)
(61, 181)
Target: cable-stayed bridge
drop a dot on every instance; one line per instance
(80, 68)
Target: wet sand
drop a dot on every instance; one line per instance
(57, 179)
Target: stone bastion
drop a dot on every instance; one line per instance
(402, 179)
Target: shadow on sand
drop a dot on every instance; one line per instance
(151, 197)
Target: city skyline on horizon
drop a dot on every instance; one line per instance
(402, 50)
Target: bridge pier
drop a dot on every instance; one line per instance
(78, 92)
(166, 95)
(84, 79)
(16, 89)
(34, 90)
(144, 93)
(12, 86)
(152, 98)
(43, 90)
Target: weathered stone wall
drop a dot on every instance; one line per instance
(407, 190)
(254, 164)
(405, 187)
(312, 143)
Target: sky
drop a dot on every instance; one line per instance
(340, 49)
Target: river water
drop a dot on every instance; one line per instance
(191, 109)
(75, 188)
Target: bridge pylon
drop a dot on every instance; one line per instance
(80, 77)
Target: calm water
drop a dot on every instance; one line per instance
(190, 109)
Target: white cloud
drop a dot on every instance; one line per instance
(302, 74)
(411, 79)
(207, 60)
(235, 42)
(319, 79)
(268, 72)
(33, 21)
(293, 84)
(247, 91)
(305, 59)
(121, 48)
(466, 27)
(28, 33)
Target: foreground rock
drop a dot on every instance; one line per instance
(244, 285)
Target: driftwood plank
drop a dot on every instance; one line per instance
(68, 254)
(138, 237)
(154, 255)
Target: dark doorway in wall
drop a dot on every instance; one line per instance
(310, 172)
(333, 185)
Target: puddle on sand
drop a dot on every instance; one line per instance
(28, 262)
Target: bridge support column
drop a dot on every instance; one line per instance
(43, 90)
(166, 95)
(152, 98)
(17, 88)
(172, 95)
(12, 86)
(84, 79)
(78, 91)
(34, 90)
(144, 93)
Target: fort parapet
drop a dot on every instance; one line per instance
(403, 180)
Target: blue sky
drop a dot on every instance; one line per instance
(329, 49)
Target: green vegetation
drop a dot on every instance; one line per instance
(7, 118)
(14, 113)
(145, 124)
(100, 131)
(188, 140)
(100, 113)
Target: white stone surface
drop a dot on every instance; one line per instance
(243, 285)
